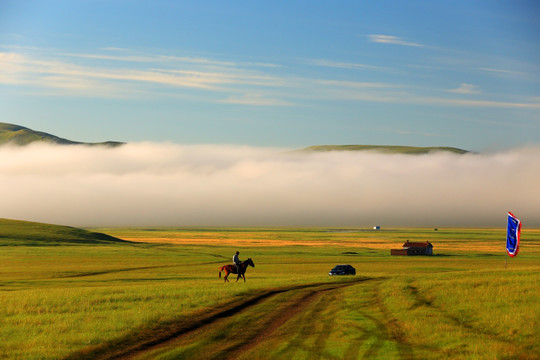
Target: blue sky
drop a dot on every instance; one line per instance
(287, 74)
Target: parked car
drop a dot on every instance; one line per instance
(342, 270)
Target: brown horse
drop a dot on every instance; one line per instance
(231, 269)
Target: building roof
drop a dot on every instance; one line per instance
(409, 244)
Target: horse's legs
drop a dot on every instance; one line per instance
(226, 276)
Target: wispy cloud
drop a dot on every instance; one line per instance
(401, 94)
(358, 84)
(20, 69)
(477, 103)
(95, 76)
(228, 77)
(18, 47)
(255, 100)
(340, 65)
(120, 57)
(502, 71)
(126, 55)
(112, 48)
(92, 79)
(394, 40)
(465, 88)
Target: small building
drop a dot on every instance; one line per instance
(376, 227)
(414, 248)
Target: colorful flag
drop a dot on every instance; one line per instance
(512, 235)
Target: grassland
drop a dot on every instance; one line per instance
(159, 296)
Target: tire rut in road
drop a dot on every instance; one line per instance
(393, 328)
(277, 320)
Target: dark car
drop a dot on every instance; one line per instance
(342, 270)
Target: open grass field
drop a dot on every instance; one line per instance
(80, 294)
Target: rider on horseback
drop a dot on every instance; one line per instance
(237, 262)
(239, 268)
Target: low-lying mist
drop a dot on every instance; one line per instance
(157, 184)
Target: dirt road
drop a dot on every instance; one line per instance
(266, 318)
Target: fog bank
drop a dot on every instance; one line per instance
(157, 184)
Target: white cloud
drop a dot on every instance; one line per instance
(127, 55)
(389, 39)
(465, 88)
(477, 103)
(94, 80)
(255, 100)
(64, 77)
(502, 71)
(404, 97)
(167, 184)
(358, 85)
(123, 57)
(340, 65)
(116, 49)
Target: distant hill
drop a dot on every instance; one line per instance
(388, 149)
(19, 135)
(17, 233)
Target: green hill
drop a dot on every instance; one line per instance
(388, 149)
(19, 135)
(16, 232)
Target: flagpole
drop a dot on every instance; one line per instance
(505, 254)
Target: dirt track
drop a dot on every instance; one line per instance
(229, 346)
(277, 319)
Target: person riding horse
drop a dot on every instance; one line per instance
(238, 268)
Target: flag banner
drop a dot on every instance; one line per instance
(512, 235)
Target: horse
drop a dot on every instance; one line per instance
(231, 269)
